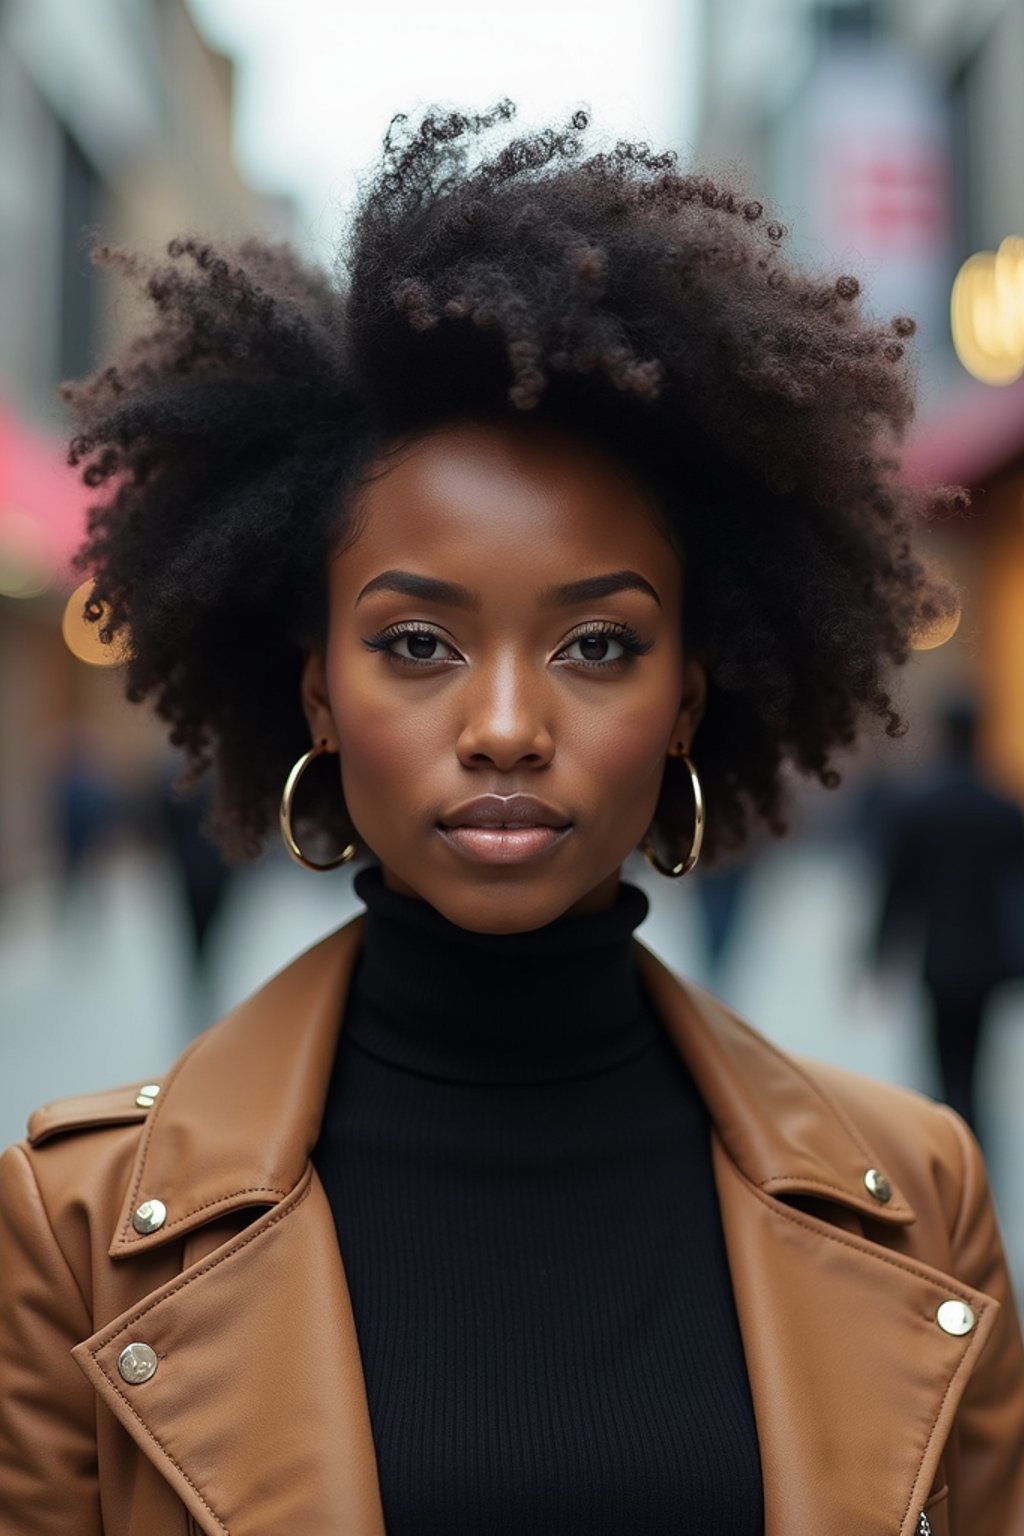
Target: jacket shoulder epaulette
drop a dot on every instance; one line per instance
(89, 1111)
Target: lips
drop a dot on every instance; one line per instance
(514, 812)
(504, 829)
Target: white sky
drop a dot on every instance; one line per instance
(319, 79)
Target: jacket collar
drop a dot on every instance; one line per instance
(773, 1118)
(239, 1115)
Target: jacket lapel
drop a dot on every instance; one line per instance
(854, 1385)
(257, 1413)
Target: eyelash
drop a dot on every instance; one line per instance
(625, 634)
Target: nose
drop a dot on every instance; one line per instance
(505, 721)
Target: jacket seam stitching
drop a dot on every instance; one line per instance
(168, 1227)
(798, 1220)
(136, 1317)
(806, 1179)
(176, 1464)
(809, 1181)
(90, 1122)
(962, 1149)
(931, 1431)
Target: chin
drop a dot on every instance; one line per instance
(490, 908)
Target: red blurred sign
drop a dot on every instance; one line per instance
(39, 492)
(894, 198)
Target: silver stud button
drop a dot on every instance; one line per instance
(147, 1095)
(150, 1216)
(137, 1364)
(955, 1317)
(878, 1186)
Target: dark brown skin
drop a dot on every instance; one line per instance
(505, 700)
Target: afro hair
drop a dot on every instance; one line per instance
(604, 289)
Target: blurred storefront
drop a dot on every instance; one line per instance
(977, 439)
(115, 122)
(887, 132)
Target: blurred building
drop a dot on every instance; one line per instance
(887, 130)
(889, 134)
(115, 121)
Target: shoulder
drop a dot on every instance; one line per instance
(924, 1147)
(127, 1105)
(87, 1124)
(77, 1154)
(800, 1128)
(873, 1101)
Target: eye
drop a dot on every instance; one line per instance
(605, 645)
(422, 645)
(599, 647)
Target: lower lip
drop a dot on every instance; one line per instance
(504, 845)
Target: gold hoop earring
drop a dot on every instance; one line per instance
(674, 871)
(291, 784)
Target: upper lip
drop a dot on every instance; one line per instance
(504, 811)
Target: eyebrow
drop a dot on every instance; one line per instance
(430, 589)
(589, 587)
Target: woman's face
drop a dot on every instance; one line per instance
(507, 622)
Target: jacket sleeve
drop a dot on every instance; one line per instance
(47, 1408)
(990, 1423)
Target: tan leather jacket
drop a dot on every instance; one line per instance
(254, 1421)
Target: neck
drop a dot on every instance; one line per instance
(555, 1002)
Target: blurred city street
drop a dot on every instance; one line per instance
(496, 429)
(99, 993)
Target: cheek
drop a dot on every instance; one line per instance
(628, 752)
(628, 730)
(380, 743)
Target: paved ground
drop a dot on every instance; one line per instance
(98, 992)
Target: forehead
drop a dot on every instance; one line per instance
(497, 496)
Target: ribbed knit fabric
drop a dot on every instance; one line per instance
(519, 1170)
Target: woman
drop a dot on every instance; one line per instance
(568, 506)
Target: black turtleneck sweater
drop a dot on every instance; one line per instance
(519, 1170)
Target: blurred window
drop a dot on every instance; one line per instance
(81, 209)
(843, 21)
(962, 86)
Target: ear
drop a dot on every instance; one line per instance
(316, 703)
(694, 697)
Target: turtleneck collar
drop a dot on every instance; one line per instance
(562, 1001)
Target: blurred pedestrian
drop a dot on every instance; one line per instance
(721, 895)
(952, 863)
(91, 810)
(179, 822)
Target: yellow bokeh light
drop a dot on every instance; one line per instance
(938, 632)
(987, 313)
(82, 638)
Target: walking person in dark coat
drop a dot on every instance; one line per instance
(953, 864)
